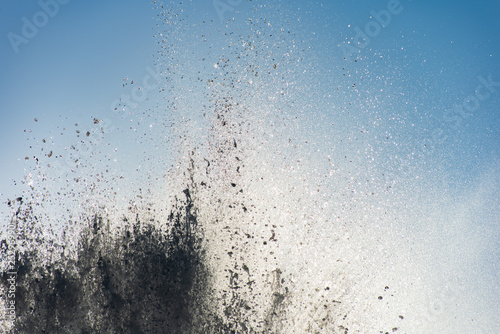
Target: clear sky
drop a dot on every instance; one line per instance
(430, 78)
(73, 67)
(70, 71)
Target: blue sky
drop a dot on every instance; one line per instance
(73, 68)
(69, 72)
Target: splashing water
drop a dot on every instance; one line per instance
(264, 204)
